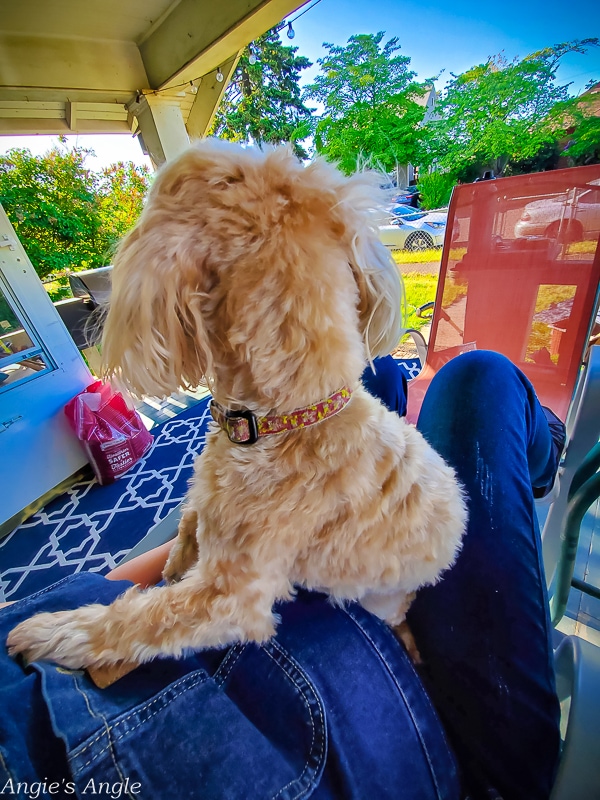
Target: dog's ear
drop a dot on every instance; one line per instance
(165, 281)
(356, 215)
(154, 339)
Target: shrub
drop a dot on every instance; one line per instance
(435, 189)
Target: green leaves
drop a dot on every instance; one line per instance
(67, 216)
(121, 189)
(369, 98)
(435, 189)
(364, 72)
(499, 112)
(503, 115)
(263, 102)
(577, 121)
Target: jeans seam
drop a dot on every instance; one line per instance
(544, 603)
(137, 710)
(407, 705)
(228, 663)
(107, 732)
(273, 643)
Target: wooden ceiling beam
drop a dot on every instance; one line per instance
(197, 37)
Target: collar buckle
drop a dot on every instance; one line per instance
(240, 426)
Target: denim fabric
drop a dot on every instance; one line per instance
(484, 630)
(384, 735)
(331, 708)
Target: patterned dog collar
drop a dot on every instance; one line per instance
(244, 427)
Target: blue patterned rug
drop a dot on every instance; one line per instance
(411, 366)
(91, 527)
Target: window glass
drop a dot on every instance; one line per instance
(22, 356)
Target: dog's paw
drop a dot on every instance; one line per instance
(59, 637)
(172, 572)
(405, 635)
(180, 560)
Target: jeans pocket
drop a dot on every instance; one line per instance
(254, 730)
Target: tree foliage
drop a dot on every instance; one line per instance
(263, 102)
(67, 216)
(120, 192)
(581, 120)
(369, 97)
(50, 203)
(584, 147)
(500, 112)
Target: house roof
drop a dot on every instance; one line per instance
(69, 66)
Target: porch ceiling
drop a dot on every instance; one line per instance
(68, 66)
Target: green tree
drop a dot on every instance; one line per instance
(67, 216)
(369, 95)
(545, 158)
(120, 194)
(580, 119)
(584, 147)
(50, 201)
(500, 112)
(263, 102)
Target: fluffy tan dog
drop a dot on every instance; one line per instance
(266, 279)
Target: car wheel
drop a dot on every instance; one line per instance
(419, 240)
(565, 232)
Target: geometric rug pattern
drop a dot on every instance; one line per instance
(410, 366)
(91, 527)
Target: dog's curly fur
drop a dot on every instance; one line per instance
(266, 279)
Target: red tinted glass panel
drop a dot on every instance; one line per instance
(519, 275)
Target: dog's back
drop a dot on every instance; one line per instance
(267, 280)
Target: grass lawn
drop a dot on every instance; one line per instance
(417, 257)
(419, 289)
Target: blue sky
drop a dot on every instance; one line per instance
(454, 35)
(450, 35)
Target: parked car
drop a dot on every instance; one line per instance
(551, 218)
(418, 235)
(409, 196)
(435, 219)
(406, 213)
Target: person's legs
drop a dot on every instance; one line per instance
(483, 632)
(146, 569)
(331, 707)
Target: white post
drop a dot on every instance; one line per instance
(161, 126)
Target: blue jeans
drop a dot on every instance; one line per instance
(484, 631)
(332, 707)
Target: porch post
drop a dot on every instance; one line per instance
(161, 126)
